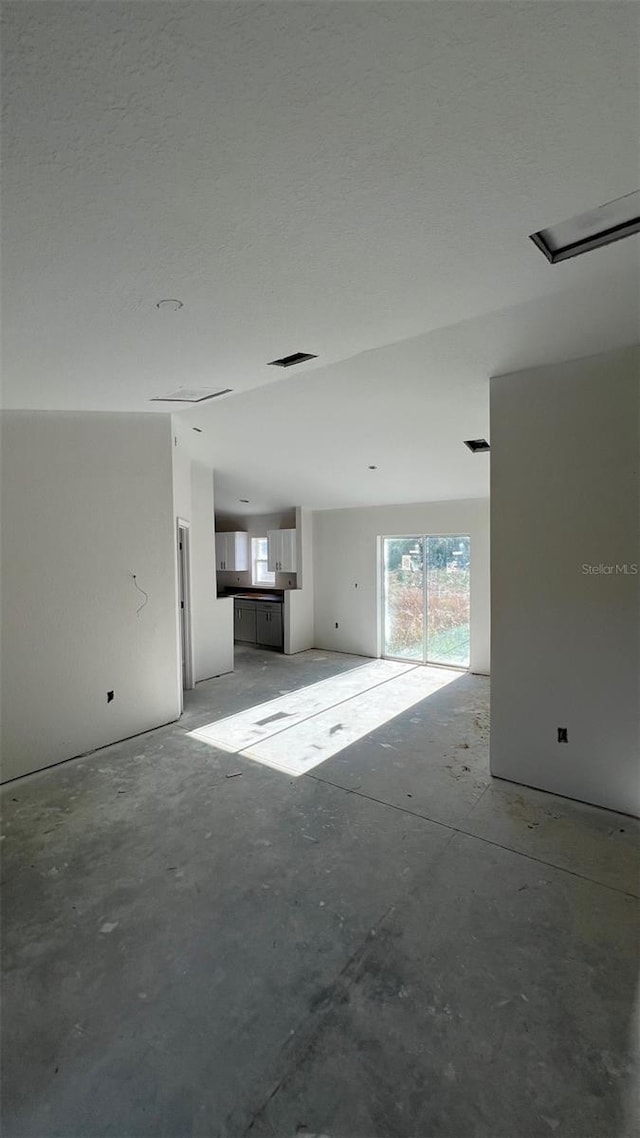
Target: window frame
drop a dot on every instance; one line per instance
(268, 577)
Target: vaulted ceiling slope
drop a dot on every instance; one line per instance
(406, 409)
(322, 177)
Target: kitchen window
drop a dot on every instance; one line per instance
(260, 574)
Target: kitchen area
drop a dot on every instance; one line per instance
(258, 564)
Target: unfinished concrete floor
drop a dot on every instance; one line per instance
(391, 946)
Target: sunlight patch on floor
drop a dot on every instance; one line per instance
(260, 722)
(298, 731)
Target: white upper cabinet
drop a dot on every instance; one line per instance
(232, 551)
(282, 550)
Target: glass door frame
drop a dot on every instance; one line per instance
(424, 538)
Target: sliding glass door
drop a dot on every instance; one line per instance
(447, 600)
(404, 581)
(426, 599)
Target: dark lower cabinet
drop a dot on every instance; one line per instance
(256, 623)
(244, 621)
(269, 626)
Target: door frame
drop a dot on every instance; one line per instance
(425, 662)
(185, 621)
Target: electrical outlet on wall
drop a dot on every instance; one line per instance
(563, 735)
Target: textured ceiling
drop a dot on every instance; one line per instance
(325, 177)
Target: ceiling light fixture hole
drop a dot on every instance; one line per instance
(173, 305)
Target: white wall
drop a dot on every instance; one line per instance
(211, 619)
(86, 502)
(347, 579)
(299, 603)
(181, 475)
(565, 643)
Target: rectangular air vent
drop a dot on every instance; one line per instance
(477, 445)
(190, 395)
(296, 358)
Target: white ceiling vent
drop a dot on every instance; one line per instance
(190, 395)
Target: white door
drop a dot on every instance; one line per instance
(240, 552)
(282, 550)
(274, 550)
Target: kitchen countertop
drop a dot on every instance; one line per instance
(257, 595)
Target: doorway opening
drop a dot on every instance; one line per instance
(184, 605)
(426, 599)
